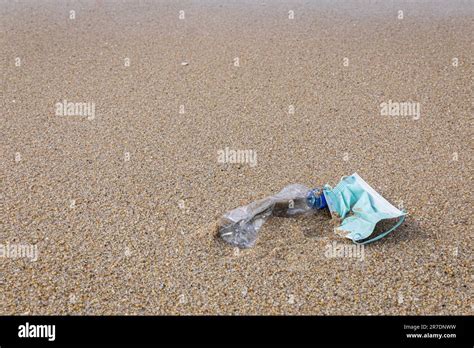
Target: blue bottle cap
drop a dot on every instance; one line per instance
(316, 199)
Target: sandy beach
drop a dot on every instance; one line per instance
(118, 195)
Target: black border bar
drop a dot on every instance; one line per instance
(224, 330)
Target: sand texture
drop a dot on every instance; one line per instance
(122, 206)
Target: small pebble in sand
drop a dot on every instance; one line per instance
(400, 298)
(244, 291)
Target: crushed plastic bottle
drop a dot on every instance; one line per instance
(240, 226)
(354, 204)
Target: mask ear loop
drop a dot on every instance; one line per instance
(399, 222)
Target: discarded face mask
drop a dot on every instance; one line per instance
(368, 208)
(240, 226)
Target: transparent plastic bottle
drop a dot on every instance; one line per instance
(240, 226)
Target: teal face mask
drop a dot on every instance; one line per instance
(354, 195)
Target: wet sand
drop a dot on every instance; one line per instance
(122, 205)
